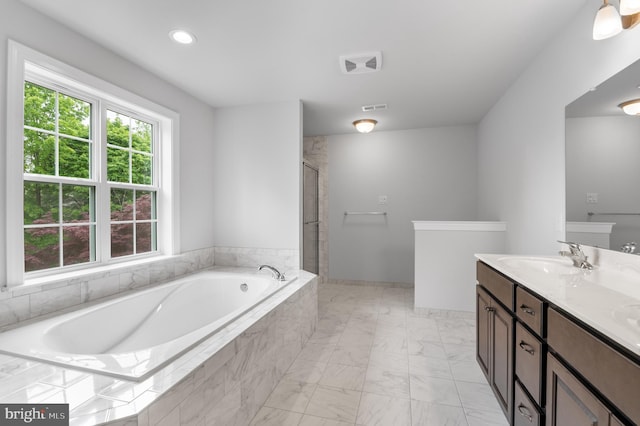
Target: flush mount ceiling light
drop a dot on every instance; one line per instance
(365, 125)
(631, 107)
(609, 23)
(182, 37)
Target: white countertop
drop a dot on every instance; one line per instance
(600, 298)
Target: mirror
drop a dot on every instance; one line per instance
(603, 165)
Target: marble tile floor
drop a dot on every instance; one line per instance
(373, 361)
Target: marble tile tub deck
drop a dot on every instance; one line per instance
(374, 361)
(222, 381)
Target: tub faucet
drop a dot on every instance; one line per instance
(276, 274)
(576, 255)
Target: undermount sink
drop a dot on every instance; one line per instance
(628, 315)
(544, 265)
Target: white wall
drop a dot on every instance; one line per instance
(602, 158)
(257, 160)
(521, 140)
(427, 174)
(22, 24)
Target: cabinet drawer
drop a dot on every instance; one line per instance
(499, 286)
(530, 310)
(613, 374)
(525, 412)
(529, 356)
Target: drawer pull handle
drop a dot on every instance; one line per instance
(527, 347)
(528, 310)
(489, 309)
(524, 412)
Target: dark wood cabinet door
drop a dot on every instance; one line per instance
(569, 402)
(483, 329)
(502, 361)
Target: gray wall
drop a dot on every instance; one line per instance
(32, 29)
(427, 174)
(521, 150)
(256, 167)
(603, 157)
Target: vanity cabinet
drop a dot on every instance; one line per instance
(495, 321)
(611, 374)
(545, 366)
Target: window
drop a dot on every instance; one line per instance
(94, 187)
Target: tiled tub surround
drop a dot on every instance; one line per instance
(283, 259)
(38, 299)
(132, 336)
(224, 380)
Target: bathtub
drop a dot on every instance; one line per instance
(132, 337)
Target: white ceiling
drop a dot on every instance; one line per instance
(443, 62)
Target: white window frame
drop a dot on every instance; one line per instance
(23, 60)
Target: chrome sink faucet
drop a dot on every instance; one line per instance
(276, 274)
(576, 255)
(629, 248)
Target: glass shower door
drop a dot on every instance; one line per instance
(310, 229)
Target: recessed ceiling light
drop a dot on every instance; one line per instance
(182, 37)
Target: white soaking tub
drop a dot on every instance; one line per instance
(133, 336)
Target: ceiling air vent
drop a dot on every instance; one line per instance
(361, 63)
(377, 107)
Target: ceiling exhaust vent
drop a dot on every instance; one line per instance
(361, 63)
(378, 107)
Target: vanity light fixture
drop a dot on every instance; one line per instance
(629, 7)
(365, 125)
(609, 23)
(182, 37)
(631, 107)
